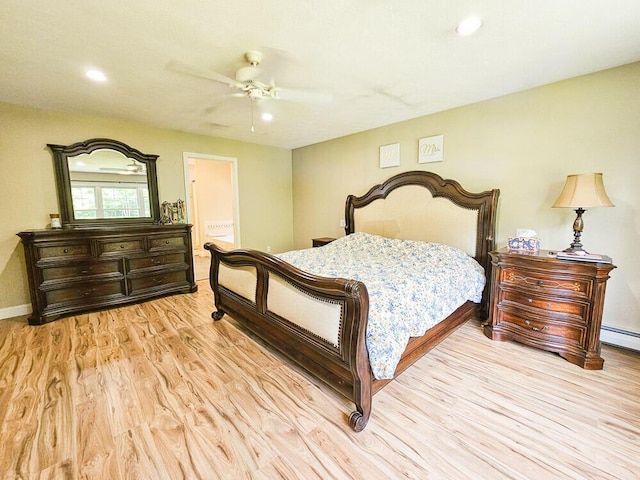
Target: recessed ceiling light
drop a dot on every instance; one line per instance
(267, 117)
(468, 26)
(96, 75)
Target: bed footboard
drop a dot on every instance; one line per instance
(318, 322)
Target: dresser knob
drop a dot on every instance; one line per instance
(121, 246)
(530, 300)
(66, 250)
(540, 282)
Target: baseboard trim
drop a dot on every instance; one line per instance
(15, 311)
(620, 338)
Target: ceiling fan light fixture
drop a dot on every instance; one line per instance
(267, 117)
(256, 93)
(468, 26)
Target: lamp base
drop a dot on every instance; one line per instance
(578, 225)
(573, 249)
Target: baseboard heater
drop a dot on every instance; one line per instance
(620, 338)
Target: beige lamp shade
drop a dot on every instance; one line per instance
(585, 190)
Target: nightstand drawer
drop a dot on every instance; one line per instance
(541, 326)
(547, 304)
(543, 281)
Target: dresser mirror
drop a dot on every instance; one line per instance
(102, 182)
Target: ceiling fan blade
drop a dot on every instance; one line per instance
(300, 95)
(180, 67)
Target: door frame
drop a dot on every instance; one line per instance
(234, 179)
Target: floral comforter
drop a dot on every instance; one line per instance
(412, 285)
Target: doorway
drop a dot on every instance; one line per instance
(212, 205)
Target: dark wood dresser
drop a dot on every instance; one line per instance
(71, 270)
(548, 303)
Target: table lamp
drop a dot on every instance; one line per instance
(581, 192)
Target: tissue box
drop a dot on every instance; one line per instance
(527, 244)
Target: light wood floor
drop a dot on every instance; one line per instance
(158, 391)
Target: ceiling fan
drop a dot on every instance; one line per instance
(247, 81)
(132, 168)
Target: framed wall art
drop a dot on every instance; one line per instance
(390, 155)
(431, 149)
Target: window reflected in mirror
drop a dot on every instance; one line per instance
(107, 184)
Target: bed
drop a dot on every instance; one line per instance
(320, 322)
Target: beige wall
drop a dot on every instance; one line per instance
(525, 144)
(27, 186)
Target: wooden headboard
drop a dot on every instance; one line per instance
(430, 209)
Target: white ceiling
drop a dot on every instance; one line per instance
(382, 61)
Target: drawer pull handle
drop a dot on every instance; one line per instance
(530, 300)
(121, 246)
(66, 250)
(535, 329)
(84, 272)
(167, 242)
(540, 282)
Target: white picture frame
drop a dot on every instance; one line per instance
(390, 155)
(431, 149)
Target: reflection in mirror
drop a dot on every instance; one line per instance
(107, 184)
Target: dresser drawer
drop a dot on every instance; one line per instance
(120, 246)
(66, 251)
(535, 326)
(81, 271)
(156, 281)
(559, 306)
(89, 292)
(163, 243)
(534, 280)
(155, 261)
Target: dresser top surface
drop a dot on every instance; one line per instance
(547, 255)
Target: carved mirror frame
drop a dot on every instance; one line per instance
(61, 155)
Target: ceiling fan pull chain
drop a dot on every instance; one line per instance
(252, 129)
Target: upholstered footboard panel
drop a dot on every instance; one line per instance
(317, 322)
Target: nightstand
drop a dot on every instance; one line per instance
(548, 303)
(318, 242)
